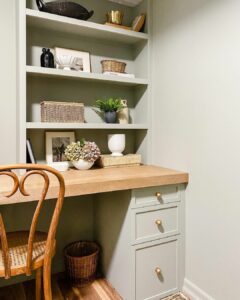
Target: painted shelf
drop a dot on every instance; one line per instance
(84, 28)
(47, 72)
(39, 125)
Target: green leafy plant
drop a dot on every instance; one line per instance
(109, 105)
(85, 150)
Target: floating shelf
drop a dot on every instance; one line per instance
(47, 72)
(83, 28)
(39, 125)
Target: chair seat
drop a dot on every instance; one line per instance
(18, 246)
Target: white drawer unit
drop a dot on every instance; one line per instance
(157, 195)
(156, 270)
(150, 223)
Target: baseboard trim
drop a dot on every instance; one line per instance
(194, 292)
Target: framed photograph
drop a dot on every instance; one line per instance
(56, 143)
(83, 63)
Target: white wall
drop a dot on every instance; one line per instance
(196, 66)
(8, 82)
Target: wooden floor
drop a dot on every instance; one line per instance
(100, 289)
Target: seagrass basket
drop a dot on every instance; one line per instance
(62, 112)
(113, 66)
(81, 260)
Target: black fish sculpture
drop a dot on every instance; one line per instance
(65, 8)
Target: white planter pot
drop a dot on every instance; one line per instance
(82, 164)
(116, 144)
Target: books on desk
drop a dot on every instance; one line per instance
(108, 161)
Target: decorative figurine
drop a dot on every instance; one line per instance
(65, 8)
(47, 59)
(123, 114)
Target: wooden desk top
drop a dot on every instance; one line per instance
(96, 181)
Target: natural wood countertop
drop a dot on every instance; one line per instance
(97, 181)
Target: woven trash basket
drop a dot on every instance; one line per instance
(81, 260)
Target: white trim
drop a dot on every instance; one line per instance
(194, 292)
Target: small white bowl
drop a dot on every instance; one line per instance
(60, 166)
(67, 62)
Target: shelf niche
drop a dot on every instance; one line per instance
(135, 140)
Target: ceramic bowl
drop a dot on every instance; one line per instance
(67, 62)
(60, 166)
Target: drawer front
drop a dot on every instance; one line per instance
(156, 223)
(156, 270)
(157, 195)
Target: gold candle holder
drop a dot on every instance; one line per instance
(115, 17)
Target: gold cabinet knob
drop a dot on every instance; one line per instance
(158, 195)
(158, 271)
(158, 222)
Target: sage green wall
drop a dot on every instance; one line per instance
(196, 74)
(8, 129)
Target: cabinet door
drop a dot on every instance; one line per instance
(156, 270)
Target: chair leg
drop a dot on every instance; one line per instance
(47, 281)
(38, 284)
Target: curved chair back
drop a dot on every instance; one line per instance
(19, 185)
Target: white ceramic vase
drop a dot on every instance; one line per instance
(116, 144)
(82, 164)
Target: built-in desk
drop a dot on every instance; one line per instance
(94, 181)
(137, 216)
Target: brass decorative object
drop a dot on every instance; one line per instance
(115, 17)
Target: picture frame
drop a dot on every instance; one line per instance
(56, 143)
(84, 58)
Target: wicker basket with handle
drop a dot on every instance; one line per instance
(62, 112)
(113, 66)
(81, 260)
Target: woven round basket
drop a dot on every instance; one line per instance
(81, 260)
(113, 66)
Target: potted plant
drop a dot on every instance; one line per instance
(109, 107)
(82, 154)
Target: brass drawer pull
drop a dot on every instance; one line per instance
(158, 271)
(158, 195)
(158, 222)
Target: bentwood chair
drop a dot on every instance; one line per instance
(23, 252)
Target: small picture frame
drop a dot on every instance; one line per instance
(56, 143)
(84, 64)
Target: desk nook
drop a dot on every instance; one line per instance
(85, 100)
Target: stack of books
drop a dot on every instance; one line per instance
(109, 161)
(119, 74)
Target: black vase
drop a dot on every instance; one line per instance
(47, 59)
(110, 116)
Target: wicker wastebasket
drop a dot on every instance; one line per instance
(81, 260)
